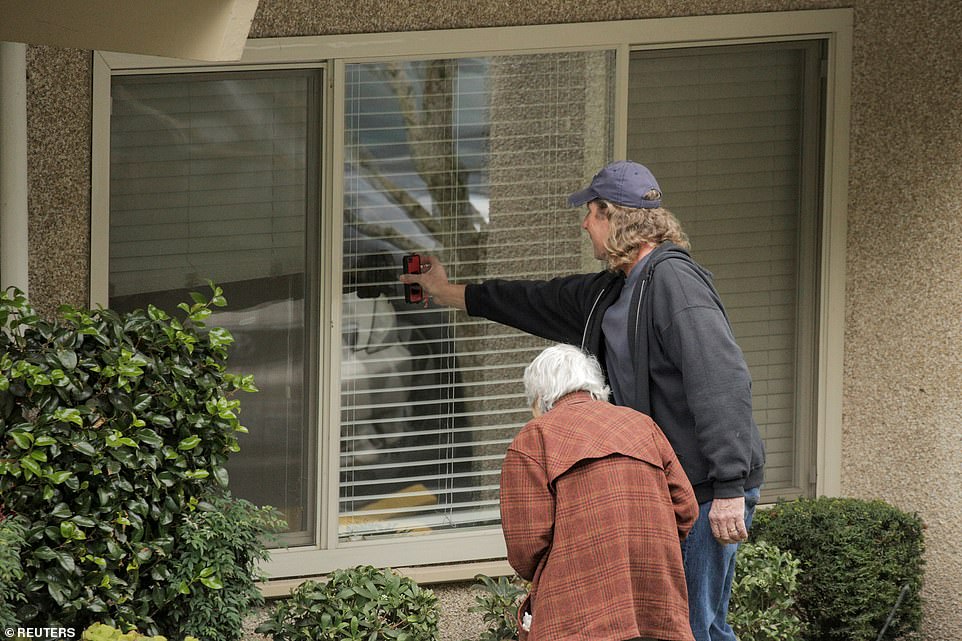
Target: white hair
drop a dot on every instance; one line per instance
(559, 371)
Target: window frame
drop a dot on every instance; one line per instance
(333, 53)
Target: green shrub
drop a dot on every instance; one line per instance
(101, 632)
(763, 606)
(218, 545)
(856, 556)
(112, 430)
(499, 603)
(359, 604)
(11, 571)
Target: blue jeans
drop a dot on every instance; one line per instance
(709, 570)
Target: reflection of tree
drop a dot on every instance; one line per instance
(537, 149)
(423, 98)
(432, 143)
(400, 197)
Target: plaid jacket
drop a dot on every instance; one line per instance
(594, 505)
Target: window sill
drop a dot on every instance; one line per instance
(423, 575)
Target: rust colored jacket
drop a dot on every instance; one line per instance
(594, 505)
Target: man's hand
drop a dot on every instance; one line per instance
(727, 519)
(434, 281)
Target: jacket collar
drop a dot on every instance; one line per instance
(573, 398)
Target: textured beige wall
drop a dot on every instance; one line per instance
(58, 172)
(902, 416)
(902, 438)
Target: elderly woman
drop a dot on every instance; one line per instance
(594, 506)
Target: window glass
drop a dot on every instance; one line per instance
(210, 179)
(725, 130)
(470, 160)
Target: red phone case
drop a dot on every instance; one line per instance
(411, 264)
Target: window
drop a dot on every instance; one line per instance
(730, 132)
(297, 184)
(213, 178)
(469, 160)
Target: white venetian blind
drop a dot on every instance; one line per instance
(207, 179)
(470, 160)
(721, 128)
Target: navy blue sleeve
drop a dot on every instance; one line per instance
(555, 309)
(697, 339)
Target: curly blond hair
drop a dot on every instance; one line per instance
(630, 229)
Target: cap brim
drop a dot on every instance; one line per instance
(579, 198)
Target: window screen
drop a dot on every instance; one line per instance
(469, 160)
(724, 130)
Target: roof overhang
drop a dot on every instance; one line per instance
(211, 30)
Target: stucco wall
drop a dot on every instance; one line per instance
(902, 416)
(902, 438)
(58, 173)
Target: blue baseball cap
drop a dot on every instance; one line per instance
(623, 182)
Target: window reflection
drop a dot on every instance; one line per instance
(468, 160)
(210, 180)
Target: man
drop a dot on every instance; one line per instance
(593, 506)
(655, 322)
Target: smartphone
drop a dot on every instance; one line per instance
(411, 264)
